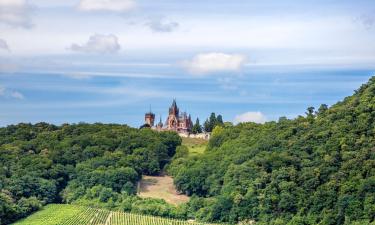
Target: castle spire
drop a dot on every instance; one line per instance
(174, 104)
(174, 109)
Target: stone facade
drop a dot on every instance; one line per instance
(205, 136)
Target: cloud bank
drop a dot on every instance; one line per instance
(214, 62)
(107, 5)
(16, 13)
(367, 20)
(100, 44)
(256, 117)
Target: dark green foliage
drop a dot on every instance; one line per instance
(197, 128)
(95, 163)
(212, 122)
(317, 169)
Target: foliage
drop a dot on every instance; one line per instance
(212, 122)
(101, 163)
(197, 128)
(317, 169)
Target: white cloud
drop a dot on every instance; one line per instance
(17, 95)
(15, 13)
(107, 5)
(215, 62)
(99, 43)
(162, 25)
(367, 20)
(6, 93)
(256, 117)
(4, 45)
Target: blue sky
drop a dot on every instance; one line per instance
(108, 60)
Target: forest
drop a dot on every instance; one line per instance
(89, 164)
(315, 169)
(318, 168)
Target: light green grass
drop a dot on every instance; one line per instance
(196, 146)
(194, 150)
(60, 214)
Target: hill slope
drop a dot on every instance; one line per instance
(316, 169)
(92, 164)
(78, 215)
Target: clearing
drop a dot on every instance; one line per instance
(161, 187)
(195, 145)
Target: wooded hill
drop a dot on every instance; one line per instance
(97, 165)
(315, 169)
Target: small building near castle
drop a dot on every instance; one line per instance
(176, 121)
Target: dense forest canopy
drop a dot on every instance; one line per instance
(84, 163)
(315, 169)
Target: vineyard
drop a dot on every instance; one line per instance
(55, 214)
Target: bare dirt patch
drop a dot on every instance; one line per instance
(161, 187)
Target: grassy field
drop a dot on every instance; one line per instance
(195, 145)
(59, 214)
(161, 187)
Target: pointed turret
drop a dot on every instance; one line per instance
(173, 110)
(174, 104)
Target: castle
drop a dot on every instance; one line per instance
(176, 121)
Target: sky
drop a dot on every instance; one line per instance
(109, 61)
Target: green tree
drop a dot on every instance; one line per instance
(207, 126)
(310, 114)
(212, 122)
(219, 120)
(197, 128)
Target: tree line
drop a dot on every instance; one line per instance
(209, 124)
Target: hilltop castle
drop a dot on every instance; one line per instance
(176, 121)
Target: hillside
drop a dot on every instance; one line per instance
(71, 214)
(315, 169)
(89, 164)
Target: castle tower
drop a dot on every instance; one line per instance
(173, 110)
(150, 118)
(173, 117)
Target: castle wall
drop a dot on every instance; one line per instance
(205, 136)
